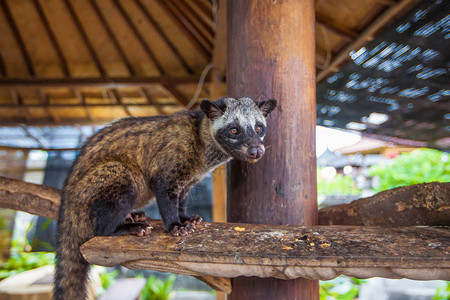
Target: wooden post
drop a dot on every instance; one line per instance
(271, 48)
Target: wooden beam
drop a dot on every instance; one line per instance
(68, 105)
(85, 38)
(18, 101)
(186, 28)
(45, 103)
(30, 135)
(108, 82)
(366, 35)
(219, 59)
(282, 252)
(415, 205)
(202, 28)
(2, 67)
(202, 12)
(172, 90)
(147, 97)
(53, 40)
(187, 23)
(286, 252)
(18, 38)
(266, 60)
(164, 36)
(113, 38)
(82, 99)
(139, 36)
(118, 99)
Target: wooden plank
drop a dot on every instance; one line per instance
(266, 60)
(106, 82)
(188, 31)
(53, 40)
(172, 90)
(18, 38)
(365, 36)
(118, 99)
(420, 204)
(202, 12)
(2, 67)
(66, 105)
(164, 36)
(196, 21)
(284, 252)
(112, 37)
(139, 37)
(82, 99)
(85, 37)
(230, 250)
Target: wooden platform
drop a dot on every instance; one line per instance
(285, 252)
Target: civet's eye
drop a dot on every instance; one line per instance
(234, 130)
(258, 129)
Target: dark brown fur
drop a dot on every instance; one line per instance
(123, 167)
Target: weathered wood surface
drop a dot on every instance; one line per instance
(29, 197)
(266, 60)
(284, 252)
(420, 204)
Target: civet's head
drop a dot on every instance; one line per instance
(239, 125)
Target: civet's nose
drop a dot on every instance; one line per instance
(256, 152)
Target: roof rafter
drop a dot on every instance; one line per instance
(34, 138)
(106, 82)
(202, 28)
(18, 38)
(118, 99)
(85, 38)
(52, 36)
(113, 38)
(202, 12)
(2, 66)
(164, 36)
(170, 87)
(139, 36)
(186, 28)
(82, 99)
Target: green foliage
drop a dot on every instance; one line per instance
(21, 262)
(443, 293)
(157, 289)
(108, 278)
(340, 288)
(422, 165)
(339, 185)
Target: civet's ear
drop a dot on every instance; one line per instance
(267, 106)
(211, 109)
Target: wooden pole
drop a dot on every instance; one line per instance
(271, 48)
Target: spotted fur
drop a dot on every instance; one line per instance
(134, 160)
